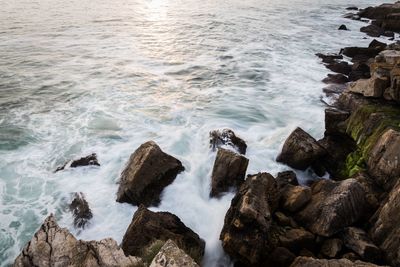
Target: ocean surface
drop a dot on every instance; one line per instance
(100, 76)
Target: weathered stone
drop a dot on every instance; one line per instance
(300, 150)
(280, 257)
(394, 90)
(336, 79)
(359, 70)
(372, 30)
(372, 87)
(331, 247)
(335, 121)
(351, 102)
(295, 197)
(171, 255)
(285, 178)
(380, 12)
(85, 161)
(296, 239)
(80, 210)
(284, 220)
(339, 67)
(373, 193)
(147, 227)
(357, 240)
(227, 137)
(311, 262)
(333, 206)
(228, 173)
(55, 246)
(247, 232)
(147, 173)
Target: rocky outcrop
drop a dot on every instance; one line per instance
(247, 235)
(148, 172)
(311, 262)
(80, 210)
(227, 137)
(358, 241)
(228, 173)
(85, 161)
(170, 255)
(333, 206)
(295, 197)
(300, 150)
(55, 246)
(385, 16)
(147, 227)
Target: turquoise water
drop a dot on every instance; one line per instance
(78, 77)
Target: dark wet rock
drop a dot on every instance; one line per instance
(331, 247)
(343, 28)
(80, 210)
(359, 70)
(351, 256)
(377, 44)
(333, 206)
(334, 89)
(227, 137)
(295, 197)
(300, 150)
(352, 8)
(372, 30)
(336, 79)
(358, 241)
(284, 220)
(286, 177)
(147, 227)
(380, 12)
(339, 67)
(172, 256)
(335, 121)
(281, 257)
(329, 58)
(85, 161)
(368, 52)
(148, 172)
(228, 173)
(385, 229)
(311, 262)
(248, 233)
(55, 246)
(296, 239)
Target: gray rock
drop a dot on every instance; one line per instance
(311, 262)
(171, 255)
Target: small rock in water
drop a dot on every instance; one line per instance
(343, 28)
(85, 161)
(80, 210)
(227, 137)
(352, 8)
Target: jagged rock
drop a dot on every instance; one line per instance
(385, 229)
(147, 227)
(357, 240)
(343, 28)
(372, 30)
(311, 262)
(295, 197)
(367, 52)
(296, 239)
(333, 206)
(80, 210)
(372, 87)
(247, 234)
(359, 70)
(285, 178)
(55, 246)
(85, 161)
(335, 121)
(351, 101)
(329, 58)
(339, 67)
(227, 137)
(300, 150)
(228, 173)
(148, 172)
(336, 79)
(383, 162)
(281, 257)
(171, 255)
(386, 15)
(331, 247)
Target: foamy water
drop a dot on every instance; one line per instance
(78, 77)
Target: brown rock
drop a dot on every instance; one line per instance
(365, 52)
(300, 150)
(296, 239)
(147, 173)
(372, 30)
(380, 12)
(394, 90)
(80, 210)
(339, 67)
(331, 247)
(311, 262)
(285, 178)
(372, 87)
(172, 256)
(227, 137)
(85, 161)
(333, 206)
(281, 257)
(228, 173)
(357, 240)
(336, 79)
(284, 220)
(295, 197)
(147, 227)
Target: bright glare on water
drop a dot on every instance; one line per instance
(101, 76)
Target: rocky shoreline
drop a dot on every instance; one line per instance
(348, 220)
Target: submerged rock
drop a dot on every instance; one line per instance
(147, 227)
(80, 210)
(228, 172)
(227, 137)
(148, 172)
(170, 255)
(311, 262)
(85, 161)
(333, 206)
(55, 246)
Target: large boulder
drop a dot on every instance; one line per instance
(300, 150)
(385, 231)
(228, 173)
(226, 137)
(90, 160)
(333, 206)
(55, 246)
(247, 234)
(148, 172)
(147, 227)
(170, 255)
(372, 87)
(311, 262)
(295, 197)
(80, 210)
(358, 241)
